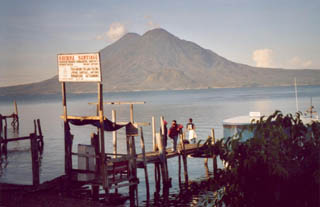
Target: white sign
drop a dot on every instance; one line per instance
(79, 67)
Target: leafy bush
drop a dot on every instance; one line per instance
(278, 166)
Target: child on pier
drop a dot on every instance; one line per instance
(192, 132)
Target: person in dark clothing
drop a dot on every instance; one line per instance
(174, 133)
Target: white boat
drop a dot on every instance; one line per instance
(234, 125)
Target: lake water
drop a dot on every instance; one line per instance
(208, 108)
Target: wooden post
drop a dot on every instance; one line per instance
(214, 157)
(5, 129)
(114, 134)
(132, 169)
(35, 160)
(95, 144)
(135, 187)
(4, 146)
(207, 170)
(102, 147)
(40, 141)
(15, 107)
(157, 176)
(179, 171)
(156, 165)
(1, 126)
(154, 142)
(165, 163)
(67, 135)
(184, 159)
(206, 162)
(16, 117)
(39, 128)
(145, 163)
(1, 139)
(35, 127)
(162, 155)
(131, 113)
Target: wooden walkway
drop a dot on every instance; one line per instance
(154, 157)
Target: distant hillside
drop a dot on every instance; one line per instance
(159, 60)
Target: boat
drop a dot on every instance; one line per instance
(235, 125)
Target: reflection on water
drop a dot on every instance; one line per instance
(208, 108)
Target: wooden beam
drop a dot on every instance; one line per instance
(104, 118)
(119, 102)
(136, 123)
(16, 139)
(80, 117)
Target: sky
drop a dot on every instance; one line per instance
(263, 33)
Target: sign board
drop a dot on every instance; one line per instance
(79, 67)
(131, 130)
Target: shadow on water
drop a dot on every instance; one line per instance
(182, 195)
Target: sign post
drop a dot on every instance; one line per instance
(81, 67)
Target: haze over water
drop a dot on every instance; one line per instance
(208, 108)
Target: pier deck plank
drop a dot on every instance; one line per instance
(154, 157)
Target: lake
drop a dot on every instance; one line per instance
(208, 108)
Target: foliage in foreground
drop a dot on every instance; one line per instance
(279, 166)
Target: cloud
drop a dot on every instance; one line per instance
(263, 57)
(115, 31)
(99, 37)
(297, 62)
(151, 24)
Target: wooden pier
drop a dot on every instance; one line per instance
(36, 145)
(114, 170)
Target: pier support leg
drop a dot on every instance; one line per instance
(184, 159)
(144, 163)
(157, 177)
(4, 145)
(35, 160)
(179, 173)
(214, 157)
(185, 167)
(95, 192)
(1, 138)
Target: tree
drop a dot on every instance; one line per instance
(278, 166)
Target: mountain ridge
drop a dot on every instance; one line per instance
(158, 60)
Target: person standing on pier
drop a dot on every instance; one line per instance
(173, 134)
(192, 132)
